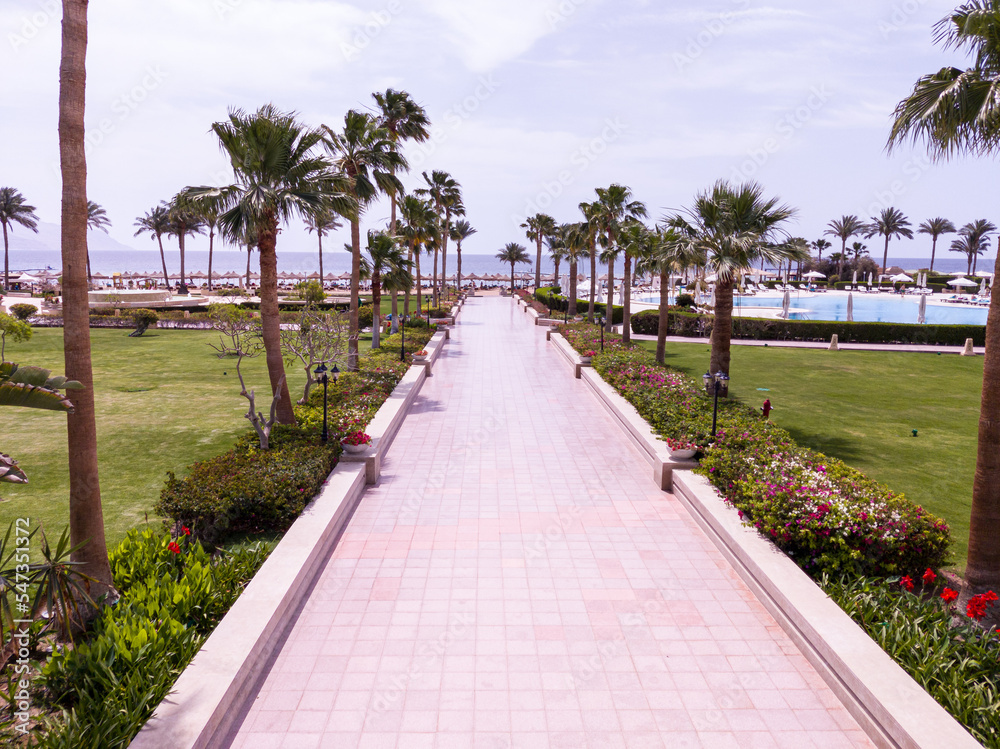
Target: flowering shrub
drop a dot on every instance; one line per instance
(356, 438)
(824, 514)
(976, 608)
(421, 352)
(956, 663)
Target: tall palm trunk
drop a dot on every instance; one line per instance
(444, 254)
(538, 260)
(512, 279)
(270, 323)
(983, 570)
(572, 287)
(211, 247)
(885, 255)
(406, 296)
(376, 307)
(183, 284)
(6, 263)
(163, 261)
(437, 299)
(249, 251)
(609, 313)
(933, 250)
(395, 311)
(355, 328)
(593, 278)
(319, 234)
(420, 283)
(663, 324)
(86, 518)
(627, 301)
(458, 256)
(555, 280)
(722, 329)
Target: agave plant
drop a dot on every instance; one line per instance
(30, 387)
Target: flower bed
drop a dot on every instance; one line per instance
(824, 514)
(957, 664)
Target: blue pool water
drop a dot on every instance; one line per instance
(867, 308)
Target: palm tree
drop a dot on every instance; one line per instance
(446, 195)
(890, 223)
(936, 227)
(638, 242)
(278, 176)
(557, 251)
(735, 226)
(157, 223)
(86, 518)
(97, 218)
(538, 227)
(819, 245)
(14, 210)
(591, 222)
(419, 221)
(405, 120)
(576, 246)
(366, 155)
(207, 212)
(513, 253)
(322, 222)
(384, 258)
(674, 250)
(955, 111)
(461, 231)
(845, 227)
(185, 219)
(614, 207)
(973, 241)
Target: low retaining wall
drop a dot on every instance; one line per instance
(209, 696)
(891, 707)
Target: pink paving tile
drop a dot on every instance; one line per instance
(508, 584)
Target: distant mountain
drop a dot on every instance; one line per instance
(49, 237)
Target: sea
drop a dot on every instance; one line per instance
(145, 261)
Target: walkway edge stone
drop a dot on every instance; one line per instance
(891, 707)
(210, 694)
(887, 702)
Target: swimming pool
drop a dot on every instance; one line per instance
(867, 308)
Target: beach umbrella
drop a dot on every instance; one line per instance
(697, 290)
(961, 282)
(900, 278)
(922, 310)
(869, 279)
(711, 279)
(813, 274)
(786, 303)
(982, 287)
(854, 281)
(711, 299)
(850, 307)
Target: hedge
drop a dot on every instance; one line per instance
(760, 329)
(560, 303)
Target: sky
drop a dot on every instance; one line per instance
(533, 103)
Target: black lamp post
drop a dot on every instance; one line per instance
(718, 378)
(402, 340)
(322, 377)
(602, 321)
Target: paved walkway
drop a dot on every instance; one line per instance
(515, 580)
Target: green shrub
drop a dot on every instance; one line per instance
(248, 489)
(685, 300)
(824, 514)
(365, 316)
(23, 311)
(102, 311)
(171, 600)
(142, 318)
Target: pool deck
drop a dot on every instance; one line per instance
(514, 580)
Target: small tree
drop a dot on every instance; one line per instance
(311, 292)
(241, 337)
(143, 318)
(23, 311)
(319, 338)
(16, 330)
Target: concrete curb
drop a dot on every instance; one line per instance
(210, 693)
(889, 705)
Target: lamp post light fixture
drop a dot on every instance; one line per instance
(602, 320)
(402, 340)
(322, 377)
(717, 380)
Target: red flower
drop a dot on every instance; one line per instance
(976, 608)
(929, 576)
(185, 530)
(174, 547)
(948, 595)
(906, 582)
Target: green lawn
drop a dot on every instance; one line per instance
(862, 407)
(164, 400)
